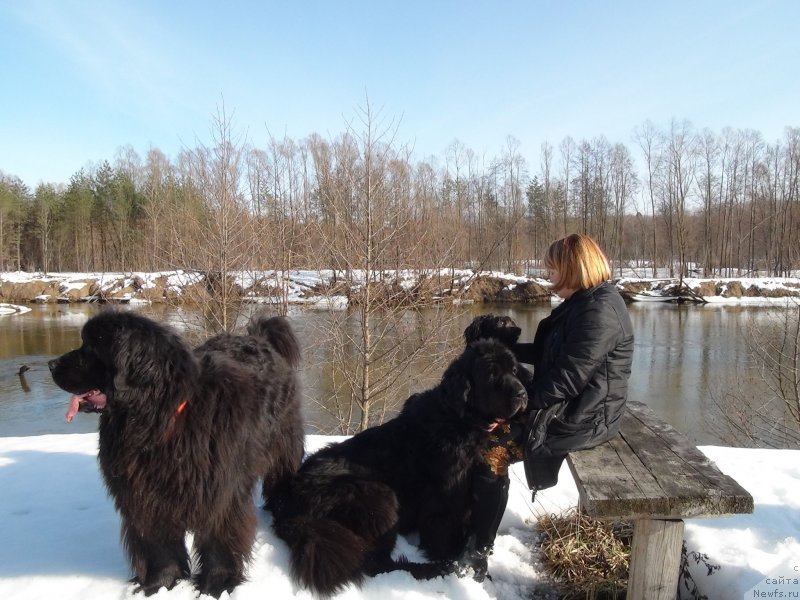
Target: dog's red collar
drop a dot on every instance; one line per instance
(178, 412)
(170, 431)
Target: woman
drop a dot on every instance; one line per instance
(581, 356)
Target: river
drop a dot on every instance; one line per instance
(685, 357)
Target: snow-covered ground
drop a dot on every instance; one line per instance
(59, 534)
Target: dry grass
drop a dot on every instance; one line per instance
(586, 558)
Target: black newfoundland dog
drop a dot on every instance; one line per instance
(493, 327)
(345, 506)
(185, 435)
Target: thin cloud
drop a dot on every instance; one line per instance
(117, 52)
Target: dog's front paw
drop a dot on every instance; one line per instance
(166, 578)
(215, 582)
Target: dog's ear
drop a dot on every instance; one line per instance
(134, 359)
(474, 330)
(151, 357)
(456, 386)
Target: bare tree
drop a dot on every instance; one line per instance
(371, 346)
(680, 174)
(548, 214)
(647, 138)
(280, 191)
(623, 183)
(514, 171)
(789, 205)
(567, 150)
(729, 204)
(600, 183)
(584, 183)
(456, 197)
(367, 239)
(709, 152)
(754, 146)
(211, 237)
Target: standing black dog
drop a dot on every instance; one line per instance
(184, 437)
(345, 506)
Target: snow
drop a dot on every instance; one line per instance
(300, 284)
(12, 309)
(59, 534)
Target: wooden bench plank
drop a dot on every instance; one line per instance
(652, 470)
(625, 491)
(685, 453)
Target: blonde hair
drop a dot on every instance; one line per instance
(580, 262)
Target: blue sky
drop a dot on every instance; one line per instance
(80, 79)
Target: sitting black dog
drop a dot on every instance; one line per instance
(343, 509)
(490, 481)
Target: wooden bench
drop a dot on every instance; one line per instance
(654, 476)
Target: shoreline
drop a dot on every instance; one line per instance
(324, 289)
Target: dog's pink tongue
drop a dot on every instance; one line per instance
(494, 425)
(74, 405)
(95, 397)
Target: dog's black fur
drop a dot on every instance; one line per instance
(184, 437)
(347, 503)
(496, 327)
(500, 328)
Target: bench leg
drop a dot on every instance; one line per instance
(655, 559)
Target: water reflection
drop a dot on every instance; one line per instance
(684, 355)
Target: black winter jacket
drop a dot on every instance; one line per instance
(582, 356)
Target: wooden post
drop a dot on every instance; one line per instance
(655, 559)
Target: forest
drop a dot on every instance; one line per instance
(692, 200)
